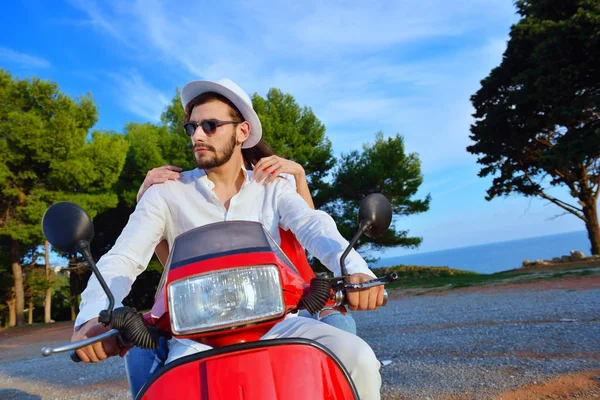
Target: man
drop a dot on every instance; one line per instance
(221, 121)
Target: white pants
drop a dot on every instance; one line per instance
(353, 352)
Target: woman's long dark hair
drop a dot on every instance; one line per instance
(254, 154)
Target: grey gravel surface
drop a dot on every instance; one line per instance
(481, 344)
(463, 344)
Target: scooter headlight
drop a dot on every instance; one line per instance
(223, 299)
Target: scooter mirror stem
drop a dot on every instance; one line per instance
(105, 317)
(363, 226)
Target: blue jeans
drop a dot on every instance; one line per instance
(140, 364)
(336, 319)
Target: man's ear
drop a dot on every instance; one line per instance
(243, 132)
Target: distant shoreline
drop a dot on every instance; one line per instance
(460, 248)
(498, 256)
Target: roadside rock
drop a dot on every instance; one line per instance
(577, 255)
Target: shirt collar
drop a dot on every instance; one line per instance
(203, 177)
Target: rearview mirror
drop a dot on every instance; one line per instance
(374, 219)
(67, 226)
(375, 215)
(69, 229)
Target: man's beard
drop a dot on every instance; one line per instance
(219, 158)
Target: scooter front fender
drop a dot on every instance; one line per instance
(278, 369)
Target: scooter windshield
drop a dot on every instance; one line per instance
(222, 239)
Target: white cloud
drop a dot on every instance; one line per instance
(138, 96)
(344, 110)
(427, 185)
(358, 26)
(99, 18)
(22, 59)
(439, 195)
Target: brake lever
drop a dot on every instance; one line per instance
(374, 282)
(48, 351)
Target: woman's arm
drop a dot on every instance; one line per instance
(158, 175)
(269, 168)
(162, 252)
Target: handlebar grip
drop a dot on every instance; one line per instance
(340, 298)
(74, 356)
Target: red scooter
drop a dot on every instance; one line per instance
(226, 285)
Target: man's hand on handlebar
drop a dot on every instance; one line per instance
(100, 350)
(364, 299)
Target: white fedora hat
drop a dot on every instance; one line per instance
(233, 93)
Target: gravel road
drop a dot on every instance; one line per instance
(462, 344)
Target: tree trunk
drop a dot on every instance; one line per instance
(74, 291)
(77, 281)
(12, 319)
(74, 307)
(30, 317)
(591, 223)
(18, 276)
(48, 300)
(3, 320)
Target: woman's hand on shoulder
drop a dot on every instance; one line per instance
(269, 168)
(158, 175)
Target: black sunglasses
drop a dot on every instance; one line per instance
(209, 126)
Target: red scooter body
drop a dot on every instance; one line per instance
(263, 370)
(240, 366)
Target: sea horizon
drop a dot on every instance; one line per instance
(496, 256)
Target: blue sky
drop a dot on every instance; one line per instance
(405, 67)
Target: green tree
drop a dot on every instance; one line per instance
(295, 132)
(176, 145)
(60, 297)
(537, 119)
(147, 148)
(35, 286)
(79, 273)
(49, 279)
(46, 157)
(382, 167)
